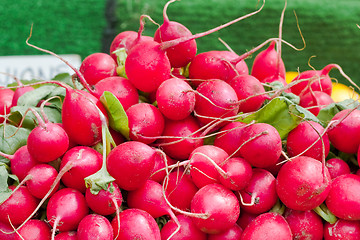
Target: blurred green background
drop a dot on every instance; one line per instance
(84, 27)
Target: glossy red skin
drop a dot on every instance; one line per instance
(85, 161)
(6, 97)
(303, 136)
(130, 227)
(70, 235)
(268, 226)
(43, 176)
(95, 225)
(345, 135)
(304, 224)
(239, 173)
(220, 203)
(202, 170)
(262, 186)
(122, 89)
(22, 162)
(146, 122)
(315, 101)
(18, 206)
(69, 207)
(188, 230)
(97, 66)
(321, 83)
(300, 183)
(131, 164)
(337, 167)
(5, 232)
(343, 199)
(245, 219)
(19, 92)
(34, 229)
(181, 150)
(234, 232)
(47, 143)
(229, 138)
(342, 229)
(266, 64)
(158, 176)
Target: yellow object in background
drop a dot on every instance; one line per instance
(290, 76)
(342, 92)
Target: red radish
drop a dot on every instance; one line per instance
(229, 138)
(259, 195)
(313, 80)
(18, 206)
(97, 66)
(261, 145)
(343, 199)
(131, 164)
(274, 169)
(304, 224)
(303, 183)
(70, 235)
(342, 229)
(105, 202)
(216, 65)
(65, 209)
(234, 232)
(83, 162)
(181, 54)
(305, 139)
(245, 219)
(122, 89)
(267, 64)
(219, 204)
(47, 141)
(268, 226)
(238, 173)
(130, 227)
(34, 229)
(146, 122)
(188, 230)
(250, 92)
(344, 134)
(158, 173)
(337, 167)
(183, 136)
(6, 97)
(203, 164)
(314, 101)
(175, 99)
(180, 189)
(6, 232)
(95, 226)
(215, 100)
(117, 136)
(19, 91)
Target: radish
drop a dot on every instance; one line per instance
(106, 202)
(215, 100)
(6, 97)
(314, 101)
(34, 229)
(181, 54)
(250, 92)
(18, 206)
(342, 229)
(47, 141)
(175, 99)
(95, 226)
(344, 134)
(304, 224)
(6, 232)
(70, 235)
(97, 66)
(65, 209)
(238, 173)
(19, 91)
(268, 226)
(308, 139)
(130, 227)
(81, 161)
(188, 230)
(219, 204)
(337, 167)
(161, 161)
(146, 122)
(343, 199)
(228, 138)
(234, 232)
(131, 164)
(261, 145)
(181, 137)
(303, 183)
(245, 219)
(259, 195)
(122, 89)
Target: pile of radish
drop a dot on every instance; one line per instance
(155, 140)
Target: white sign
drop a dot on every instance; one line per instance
(41, 67)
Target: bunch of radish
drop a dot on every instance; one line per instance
(154, 140)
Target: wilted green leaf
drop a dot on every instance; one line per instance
(32, 98)
(5, 192)
(326, 114)
(9, 142)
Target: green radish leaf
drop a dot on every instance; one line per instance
(12, 138)
(282, 114)
(99, 180)
(326, 114)
(5, 192)
(118, 119)
(32, 98)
